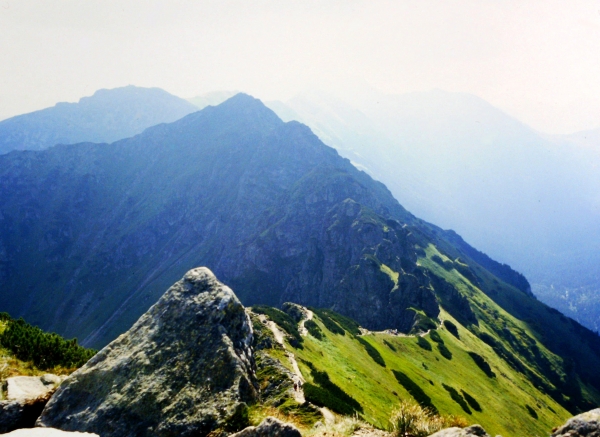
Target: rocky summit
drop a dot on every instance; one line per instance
(184, 368)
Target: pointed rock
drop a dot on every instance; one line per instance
(184, 368)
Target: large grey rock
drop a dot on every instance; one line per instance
(583, 425)
(47, 432)
(22, 388)
(22, 413)
(184, 368)
(270, 427)
(470, 431)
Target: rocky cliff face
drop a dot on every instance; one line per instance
(185, 368)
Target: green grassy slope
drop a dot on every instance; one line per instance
(503, 399)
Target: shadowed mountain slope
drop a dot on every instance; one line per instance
(91, 234)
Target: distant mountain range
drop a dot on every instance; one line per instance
(92, 234)
(530, 200)
(107, 116)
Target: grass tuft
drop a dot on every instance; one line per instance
(411, 419)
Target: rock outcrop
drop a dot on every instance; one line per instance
(25, 399)
(21, 414)
(583, 425)
(23, 388)
(47, 432)
(185, 368)
(270, 427)
(470, 431)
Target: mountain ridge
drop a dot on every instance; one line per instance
(279, 216)
(106, 116)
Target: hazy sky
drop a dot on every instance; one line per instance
(537, 60)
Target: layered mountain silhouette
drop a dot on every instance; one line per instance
(107, 116)
(525, 198)
(92, 234)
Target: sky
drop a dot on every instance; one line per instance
(537, 60)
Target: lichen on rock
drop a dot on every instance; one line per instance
(184, 368)
(583, 425)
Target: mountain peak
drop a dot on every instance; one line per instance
(106, 116)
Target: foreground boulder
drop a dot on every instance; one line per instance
(26, 397)
(47, 432)
(185, 368)
(21, 414)
(470, 431)
(270, 427)
(583, 425)
(24, 388)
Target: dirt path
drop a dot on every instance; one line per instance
(298, 378)
(308, 315)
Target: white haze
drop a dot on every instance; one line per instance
(537, 60)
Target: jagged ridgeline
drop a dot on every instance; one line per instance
(90, 236)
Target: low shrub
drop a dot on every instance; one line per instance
(435, 336)
(482, 364)
(46, 350)
(345, 322)
(372, 351)
(327, 394)
(390, 345)
(328, 321)
(457, 397)
(423, 343)
(313, 329)
(451, 327)
(531, 412)
(415, 391)
(283, 320)
(471, 401)
(444, 351)
(446, 265)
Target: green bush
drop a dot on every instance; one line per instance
(444, 351)
(282, 320)
(293, 310)
(372, 351)
(488, 339)
(483, 364)
(390, 345)
(471, 401)
(446, 265)
(423, 323)
(452, 329)
(313, 329)
(435, 336)
(45, 350)
(531, 412)
(345, 322)
(327, 394)
(456, 397)
(415, 391)
(424, 343)
(329, 323)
